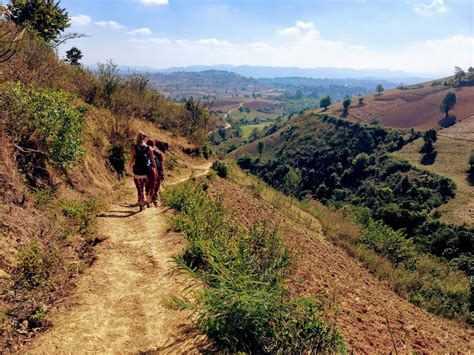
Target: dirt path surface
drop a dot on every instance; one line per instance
(118, 305)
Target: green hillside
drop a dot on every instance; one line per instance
(318, 157)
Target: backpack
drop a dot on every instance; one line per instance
(142, 160)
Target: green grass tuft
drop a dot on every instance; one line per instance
(244, 306)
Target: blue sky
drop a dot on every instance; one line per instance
(421, 36)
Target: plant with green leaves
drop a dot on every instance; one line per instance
(73, 56)
(45, 17)
(221, 168)
(291, 183)
(346, 103)
(34, 267)
(245, 305)
(260, 147)
(448, 103)
(325, 102)
(379, 89)
(43, 121)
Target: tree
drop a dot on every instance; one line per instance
(291, 183)
(346, 103)
(471, 70)
(45, 17)
(458, 72)
(361, 101)
(430, 137)
(325, 102)
(379, 89)
(73, 56)
(471, 160)
(109, 81)
(254, 135)
(448, 102)
(260, 147)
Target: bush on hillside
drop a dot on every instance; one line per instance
(244, 307)
(43, 121)
(221, 168)
(34, 267)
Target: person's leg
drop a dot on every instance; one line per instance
(140, 185)
(150, 185)
(155, 192)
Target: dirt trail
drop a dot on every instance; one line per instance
(118, 305)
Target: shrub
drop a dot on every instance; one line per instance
(244, 307)
(171, 162)
(82, 214)
(43, 196)
(45, 121)
(221, 168)
(34, 267)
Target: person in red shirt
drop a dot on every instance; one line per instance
(142, 163)
(156, 175)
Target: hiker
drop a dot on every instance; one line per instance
(160, 156)
(156, 175)
(141, 163)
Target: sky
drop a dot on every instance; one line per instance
(417, 36)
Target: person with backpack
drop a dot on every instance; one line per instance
(141, 163)
(156, 175)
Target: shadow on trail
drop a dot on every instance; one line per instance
(187, 333)
(118, 214)
(470, 177)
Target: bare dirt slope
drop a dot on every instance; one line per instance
(365, 303)
(418, 108)
(119, 302)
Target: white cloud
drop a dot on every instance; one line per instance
(436, 6)
(154, 2)
(305, 25)
(305, 29)
(110, 24)
(144, 31)
(80, 20)
(213, 42)
(305, 51)
(289, 31)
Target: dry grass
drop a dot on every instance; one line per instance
(451, 162)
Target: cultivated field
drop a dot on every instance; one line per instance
(417, 108)
(451, 161)
(462, 130)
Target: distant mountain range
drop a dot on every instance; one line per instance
(256, 72)
(321, 73)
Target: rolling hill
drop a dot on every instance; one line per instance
(338, 163)
(410, 108)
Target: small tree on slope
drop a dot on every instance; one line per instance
(73, 56)
(379, 89)
(346, 103)
(325, 102)
(448, 102)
